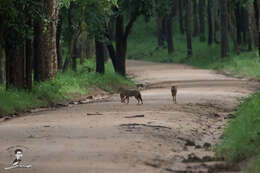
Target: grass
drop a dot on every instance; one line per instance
(65, 86)
(241, 139)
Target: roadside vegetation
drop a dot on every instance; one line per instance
(64, 87)
(241, 138)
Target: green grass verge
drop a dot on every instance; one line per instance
(65, 86)
(241, 139)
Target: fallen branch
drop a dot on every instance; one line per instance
(135, 116)
(97, 113)
(145, 125)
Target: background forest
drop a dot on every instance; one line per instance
(52, 50)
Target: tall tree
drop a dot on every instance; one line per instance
(195, 18)
(28, 50)
(47, 44)
(202, 5)
(210, 22)
(133, 9)
(2, 51)
(58, 38)
(224, 27)
(14, 59)
(180, 10)
(188, 27)
(100, 56)
(257, 5)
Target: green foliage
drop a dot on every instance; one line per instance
(16, 100)
(137, 7)
(164, 7)
(64, 87)
(241, 139)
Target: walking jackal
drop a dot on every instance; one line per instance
(174, 93)
(125, 94)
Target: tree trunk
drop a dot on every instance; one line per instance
(36, 47)
(253, 23)
(100, 57)
(195, 18)
(111, 50)
(224, 28)
(232, 33)
(188, 27)
(169, 34)
(160, 31)
(83, 47)
(238, 24)
(112, 55)
(120, 45)
(29, 61)
(47, 42)
(2, 52)
(258, 23)
(121, 41)
(90, 48)
(210, 22)
(215, 25)
(58, 37)
(72, 55)
(14, 60)
(202, 19)
(180, 3)
(2, 66)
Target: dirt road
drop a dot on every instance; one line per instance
(167, 137)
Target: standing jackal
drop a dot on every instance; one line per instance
(125, 94)
(174, 93)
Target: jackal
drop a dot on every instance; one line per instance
(125, 94)
(174, 93)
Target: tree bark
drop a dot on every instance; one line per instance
(14, 60)
(215, 25)
(224, 28)
(195, 18)
(100, 56)
(36, 50)
(2, 51)
(232, 33)
(210, 22)
(29, 61)
(83, 47)
(169, 34)
(258, 23)
(253, 23)
(160, 31)
(202, 19)
(58, 37)
(181, 25)
(2, 66)
(72, 55)
(120, 45)
(188, 27)
(47, 43)
(121, 41)
(238, 24)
